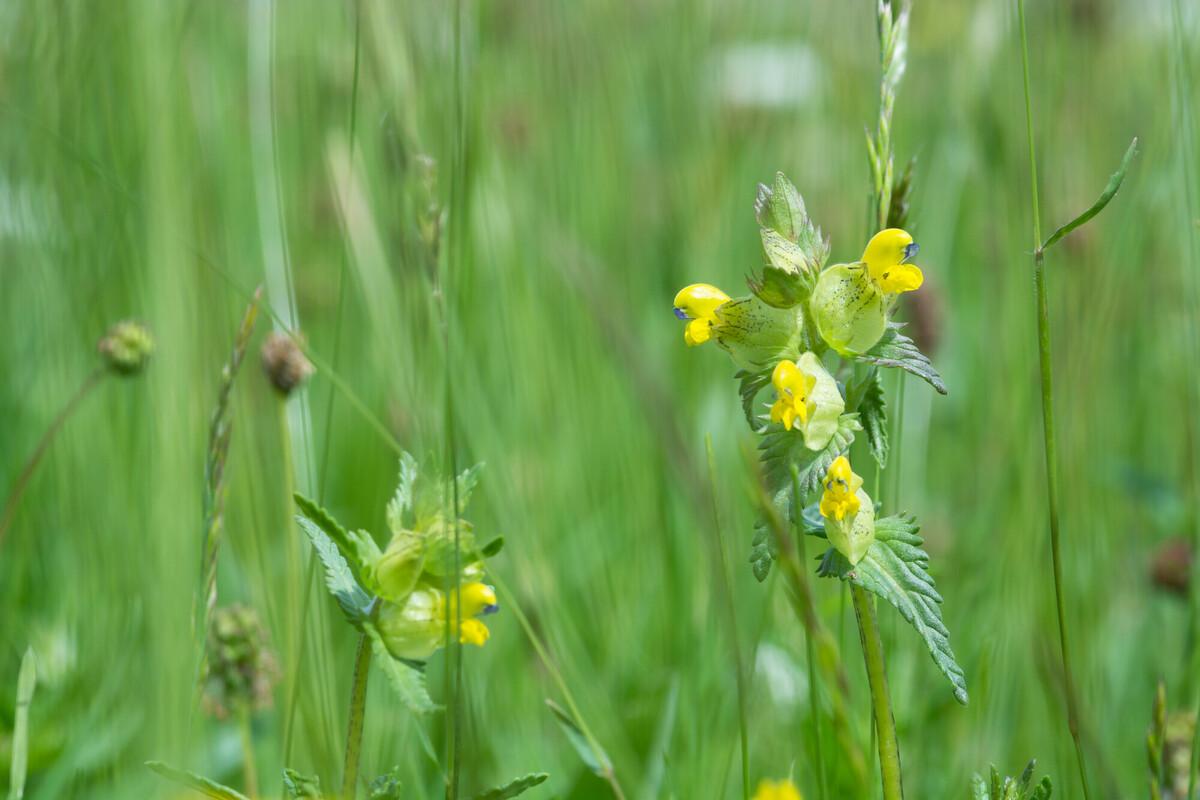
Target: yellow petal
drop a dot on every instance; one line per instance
(477, 598)
(777, 410)
(698, 331)
(784, 376)
(886, 249)
(901, 278)
(700, 300)
(473, 632)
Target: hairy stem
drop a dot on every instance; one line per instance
(14, 498)
(881, 703)
(358, 710)
(1048, 431)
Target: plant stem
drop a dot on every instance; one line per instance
(885, 723)
(723, 579)
(14, 498)
(249, 770)
(1048, 430)
(813, 707)
(358, 710)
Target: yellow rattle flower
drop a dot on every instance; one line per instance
(698, 304)
(887, 257)
(777, 790)
(809, 399)
(848, 511)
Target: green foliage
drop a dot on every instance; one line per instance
(873, 411)
(197, 783)
(339, 579)
(896, 569)
(1110, 191)
(26, 683)
(386, 787)
(895, 349)
(750, 383)
(407, 680)
(592, 755)
(514, 787)
(301, 786)
(400, 507)
(779, 287)
(1021, 788)
(492, 548)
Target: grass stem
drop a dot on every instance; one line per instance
(14, 498)
(1048, 430)
(358, 711)
(881, 704)
(814, 709)
(249, 770)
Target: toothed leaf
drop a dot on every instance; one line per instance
(406, 679)
(352, 598)
(514, 787)
(873, 410)
(895, 349)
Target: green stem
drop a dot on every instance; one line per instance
(358, 710)
(14, 498)
(249, 770)
(881, 703)
(723, 579)
(809, 655)
(1048, 430)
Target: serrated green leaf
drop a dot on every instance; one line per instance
(401, 504)
(994, 787)
(26, 683)
(896, 569)
(352, 598)
(387, 786)
(195, 782)
(749, 385)
(1114, 183)
(492, 548)
(895, 349)
(596, 760)
(406, 680)
(979, 788)
(873, 411)
(468, 479)
(300, 786)
(780, 449)
(762, 551)
(514, 787)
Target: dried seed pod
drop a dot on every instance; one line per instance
(284, 362)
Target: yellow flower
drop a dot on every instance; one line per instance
(698, 304)
(886, 256)
(848, 511)
(841, 490)
(473, 632)
(809, 399)
(777, 790)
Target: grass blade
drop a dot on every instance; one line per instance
(26, 683)
(1114, 183)
(197, 783)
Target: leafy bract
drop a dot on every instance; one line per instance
(352, 598)
(197, 783)
(750, 383)
(896, 569)
(894, 349)
(514, 787)
(407, 680)
(1022, 788)
(873, 412)
(301, 786)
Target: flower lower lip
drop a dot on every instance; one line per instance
(681, 314)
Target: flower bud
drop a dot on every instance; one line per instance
(848, 511)
(284, 362)
(397, 571)
(126, 347)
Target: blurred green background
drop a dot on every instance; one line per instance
(158, 160)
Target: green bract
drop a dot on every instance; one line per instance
(849, 309)
(854, 534)
(757, 335)
(827, 403)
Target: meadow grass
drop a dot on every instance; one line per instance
(597, 156)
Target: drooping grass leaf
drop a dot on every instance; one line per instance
(405, 679)
(301, 786)
(897, 350)
(1110, 190)
(195, 782)
(896, 569)
(594, 758)
(352, 598)
(26, 683)
(514, 787)
(873, 410)
(749, 385)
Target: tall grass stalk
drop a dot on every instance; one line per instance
(721, 566)
(14, 497)
(809, 649)
(358, 711)
(1048, 430)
